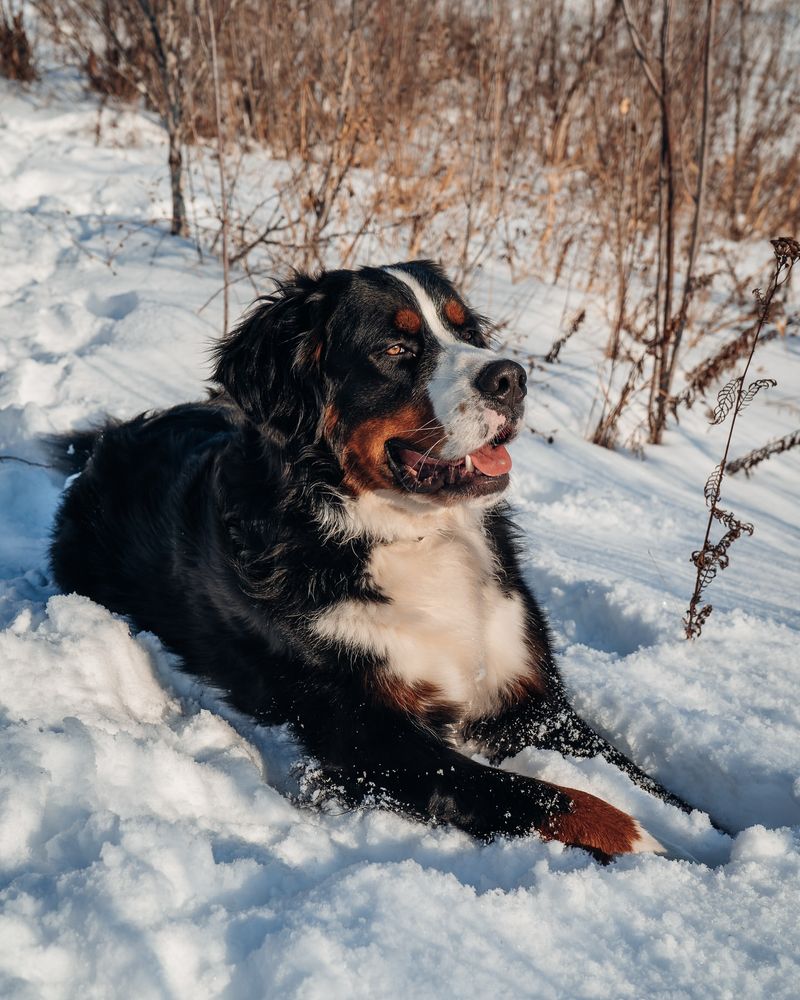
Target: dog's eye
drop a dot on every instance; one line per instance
(397, 349)
(472, 337)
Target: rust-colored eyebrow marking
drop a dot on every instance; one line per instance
(408, 321)
(455, 312)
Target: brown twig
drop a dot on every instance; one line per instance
(575, 325)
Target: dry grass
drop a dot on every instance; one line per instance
(463, 129)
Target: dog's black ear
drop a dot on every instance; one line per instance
(270, 364)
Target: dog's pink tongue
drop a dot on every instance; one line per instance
(492, 461)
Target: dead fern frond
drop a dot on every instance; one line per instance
(713, 486)
(752, 458)
(749, 394)
(786, 249)
(736, 528)
(696, 617)
(726, 399)
(715, 556)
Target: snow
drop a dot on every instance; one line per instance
(149, 844)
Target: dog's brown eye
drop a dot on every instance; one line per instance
(396, 349)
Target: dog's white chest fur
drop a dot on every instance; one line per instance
(446, 623)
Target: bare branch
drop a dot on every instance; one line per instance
(639, 48)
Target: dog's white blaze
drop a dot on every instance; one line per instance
(467, 422)
(426, 306)
(446, 623)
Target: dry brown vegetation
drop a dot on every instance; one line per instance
(16, 52)
(758, 455)
(613, 138)
(732, 399)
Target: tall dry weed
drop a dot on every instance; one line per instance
(732, 399)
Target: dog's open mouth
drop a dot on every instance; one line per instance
(483, 471)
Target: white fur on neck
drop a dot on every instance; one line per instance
(446, 622)
(389, 516)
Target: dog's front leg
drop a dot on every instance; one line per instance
(549, 722)
(384, 755)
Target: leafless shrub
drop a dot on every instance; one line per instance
(757, 455)
(657, 59)
(221, 137)
(459, 130)
(691, 126)
(16, 54)
(763, 72)
(732, 398)
(607, 429)
(107, 78)
(152, 48)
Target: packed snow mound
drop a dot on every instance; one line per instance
(150, 843)
(141, 843)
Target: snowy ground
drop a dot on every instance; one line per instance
(145, 847)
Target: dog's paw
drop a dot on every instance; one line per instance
(599, 828)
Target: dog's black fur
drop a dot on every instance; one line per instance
(218, 526)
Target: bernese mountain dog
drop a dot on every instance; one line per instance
(326, 540)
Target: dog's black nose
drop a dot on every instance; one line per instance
(503, 383)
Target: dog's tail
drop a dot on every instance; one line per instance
(69, 452)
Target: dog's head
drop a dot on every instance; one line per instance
(391, 369)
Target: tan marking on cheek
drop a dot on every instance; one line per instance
(364, 453)
(408, 321)
(455, 312)
(364, 461)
